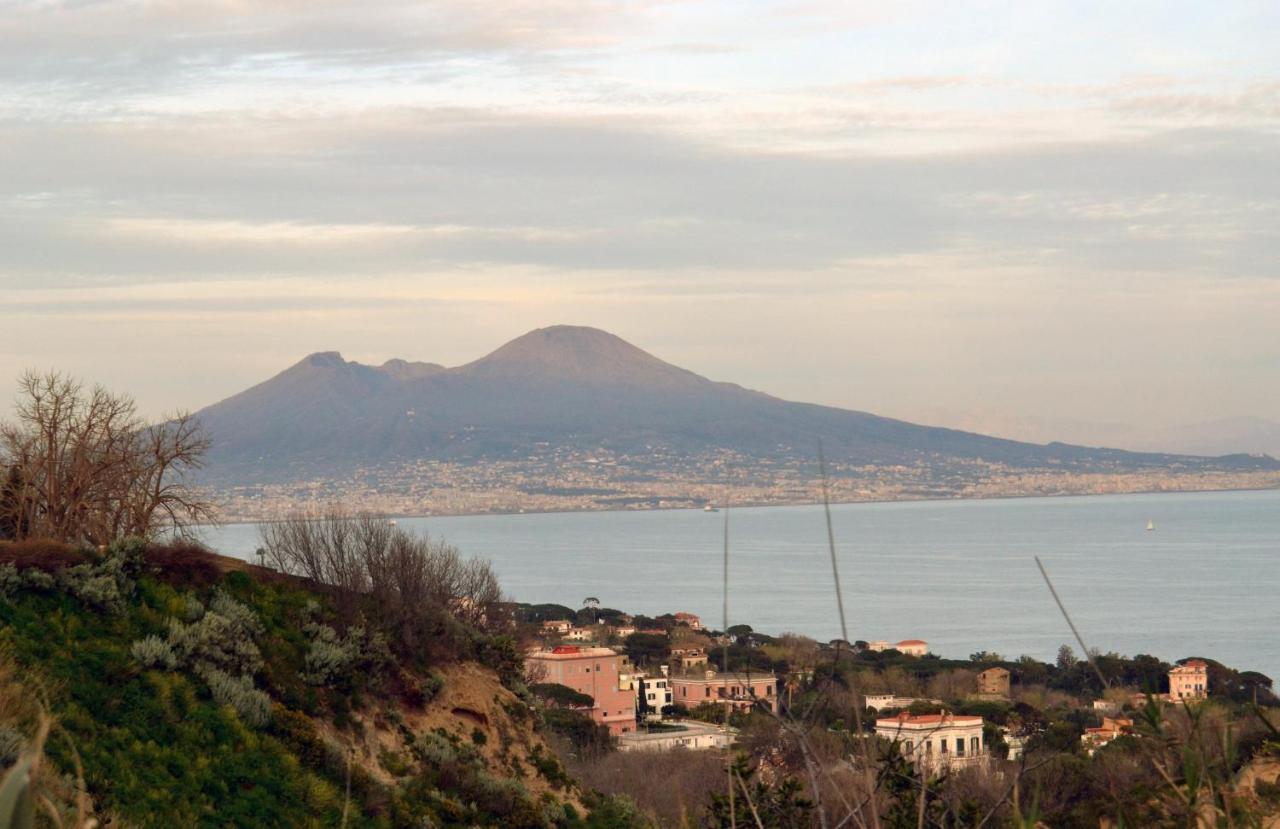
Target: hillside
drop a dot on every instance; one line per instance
(578, 389)
(200, 691)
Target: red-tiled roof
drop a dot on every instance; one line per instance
(913, 642)
(929, 719)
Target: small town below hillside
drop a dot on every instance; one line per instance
(669, 685)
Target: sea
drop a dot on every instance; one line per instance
(1205, 581)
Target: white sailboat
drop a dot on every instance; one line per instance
(1151, 525)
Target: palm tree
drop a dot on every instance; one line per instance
(593, 603)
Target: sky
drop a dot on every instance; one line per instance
(1053, 210)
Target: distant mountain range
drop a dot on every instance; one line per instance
(575, 388)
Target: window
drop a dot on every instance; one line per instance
(975, 745)
(942, 746)
(906, 747)
(960, 746)
(928, 747)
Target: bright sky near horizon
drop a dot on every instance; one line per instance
(1053, 209)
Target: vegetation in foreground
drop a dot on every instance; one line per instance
(188, 690)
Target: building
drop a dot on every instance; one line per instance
(655, 694)
(741, 691)
(1095, 738)
(994, 682)
(689, 619)
(556, 626)
(879, 646)
(1188, 681)
(1015, 743)
(601, 673)
(576, 634)
(939, 741)
(912, 647)
(882, 701)
(686, 734)
(622, 631)
(688, 659)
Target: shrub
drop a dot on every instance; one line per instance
(332, 657)
(97, 586)
(184, 562)
(221, 639)
(253, 706)
(586, 735)
(562, 695)
(154, 652)
(10, 580)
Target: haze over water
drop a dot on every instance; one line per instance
(959, 574)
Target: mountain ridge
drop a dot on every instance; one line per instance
(576, 387)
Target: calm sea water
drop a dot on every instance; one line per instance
(959, 574)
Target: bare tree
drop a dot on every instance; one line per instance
(84, 468)
(410, 580)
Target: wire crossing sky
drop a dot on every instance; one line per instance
(1060, 210)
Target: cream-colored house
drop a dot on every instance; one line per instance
(1189, 681)
(912, 647)
(939, 741)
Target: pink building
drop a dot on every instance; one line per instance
(741, 691)
(1189, 680)
(597, 672)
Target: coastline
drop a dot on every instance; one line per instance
(758, 504)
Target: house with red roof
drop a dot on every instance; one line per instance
(600, 673)
(938, 741)
(1189, 681)
(912, 647)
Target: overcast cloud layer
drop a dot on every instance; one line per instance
(1053, 210)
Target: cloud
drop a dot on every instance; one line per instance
(913, 177)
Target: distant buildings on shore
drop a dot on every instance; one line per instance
(910, 647)
(636, 704)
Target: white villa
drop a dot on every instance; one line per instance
(944, 741)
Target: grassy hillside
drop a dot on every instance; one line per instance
(194, 691)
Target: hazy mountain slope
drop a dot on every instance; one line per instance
(1236, 434)
(583, 388)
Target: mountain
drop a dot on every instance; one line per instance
(1226, 436)
(1254, 435)
(569, 387)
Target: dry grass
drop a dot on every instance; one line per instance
(672, 787)
(40, 553)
